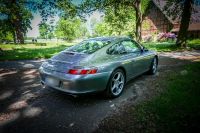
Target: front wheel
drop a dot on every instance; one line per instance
(116, 84)
(154, 65)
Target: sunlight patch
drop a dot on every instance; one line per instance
(28, 76)
(6, 94)
(7, 73)
(32, 112)
(28, 81)
(30, 72)
(8, 117)
(18, 105)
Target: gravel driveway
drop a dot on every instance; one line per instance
(27, 107)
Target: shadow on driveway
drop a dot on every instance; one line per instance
(27, 107)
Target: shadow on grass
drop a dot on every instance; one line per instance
(175, 109)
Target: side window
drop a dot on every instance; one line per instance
(117, 48)
(130, 46)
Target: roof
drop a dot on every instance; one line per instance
(110, 38)
(195, 17)
(192, 27)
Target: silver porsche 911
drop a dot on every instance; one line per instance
(98, 64)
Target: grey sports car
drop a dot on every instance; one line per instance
(98, 64)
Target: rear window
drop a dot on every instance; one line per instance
(89, 46)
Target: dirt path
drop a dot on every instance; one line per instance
(26, 107)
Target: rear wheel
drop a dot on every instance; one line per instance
(154, 65)
(116, 84)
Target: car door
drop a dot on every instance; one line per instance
(119, 55)
(134, 55)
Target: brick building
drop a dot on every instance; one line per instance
(157, 21)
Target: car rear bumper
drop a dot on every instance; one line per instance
(75, 84)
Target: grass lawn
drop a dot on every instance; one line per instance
(161, 46)
(175, 110)
(30, 51)
(170, 46)
(178, 108)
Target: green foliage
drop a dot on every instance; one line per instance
(70, 29)
(17, 18)
(119, 18)
(145, 5)
(17, 15)
(43, 29)
(117, 22)
(102, 29)
(46, 30)
(6, 37)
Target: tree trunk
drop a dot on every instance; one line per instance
(138, 20)
(19, 33)
(17, 23)
(14, 36)
(185, 21)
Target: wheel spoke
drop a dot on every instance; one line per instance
(118, 76)
(121, 82)
(154, 67)
(113, 80)
(113, 87)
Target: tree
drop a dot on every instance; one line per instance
(43, 29)
(180, 9)
(46, 30)
(136, 5)
(102, 29)
(117, 22)
(138, 12)
(185, 21)
(6, 30)
(69, 29)
(8, 37)
(17, 17)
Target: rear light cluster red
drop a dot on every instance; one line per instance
(82, 71)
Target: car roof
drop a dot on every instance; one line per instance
(111, 38)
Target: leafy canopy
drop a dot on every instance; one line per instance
(70, 29)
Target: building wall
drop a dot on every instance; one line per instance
(155, 22)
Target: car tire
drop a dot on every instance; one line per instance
(154, 66)
(116, 84)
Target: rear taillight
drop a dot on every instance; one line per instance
(82, 71)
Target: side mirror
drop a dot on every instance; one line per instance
(143, 49)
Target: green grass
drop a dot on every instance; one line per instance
(170, 46)
(30, 51)
(174, 107)
(161, 46)
(37, 51)
(195, 43)
(178, 108)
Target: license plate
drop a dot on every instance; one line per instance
(52, 81)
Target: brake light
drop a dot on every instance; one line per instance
(82, 71)
(73, 71)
